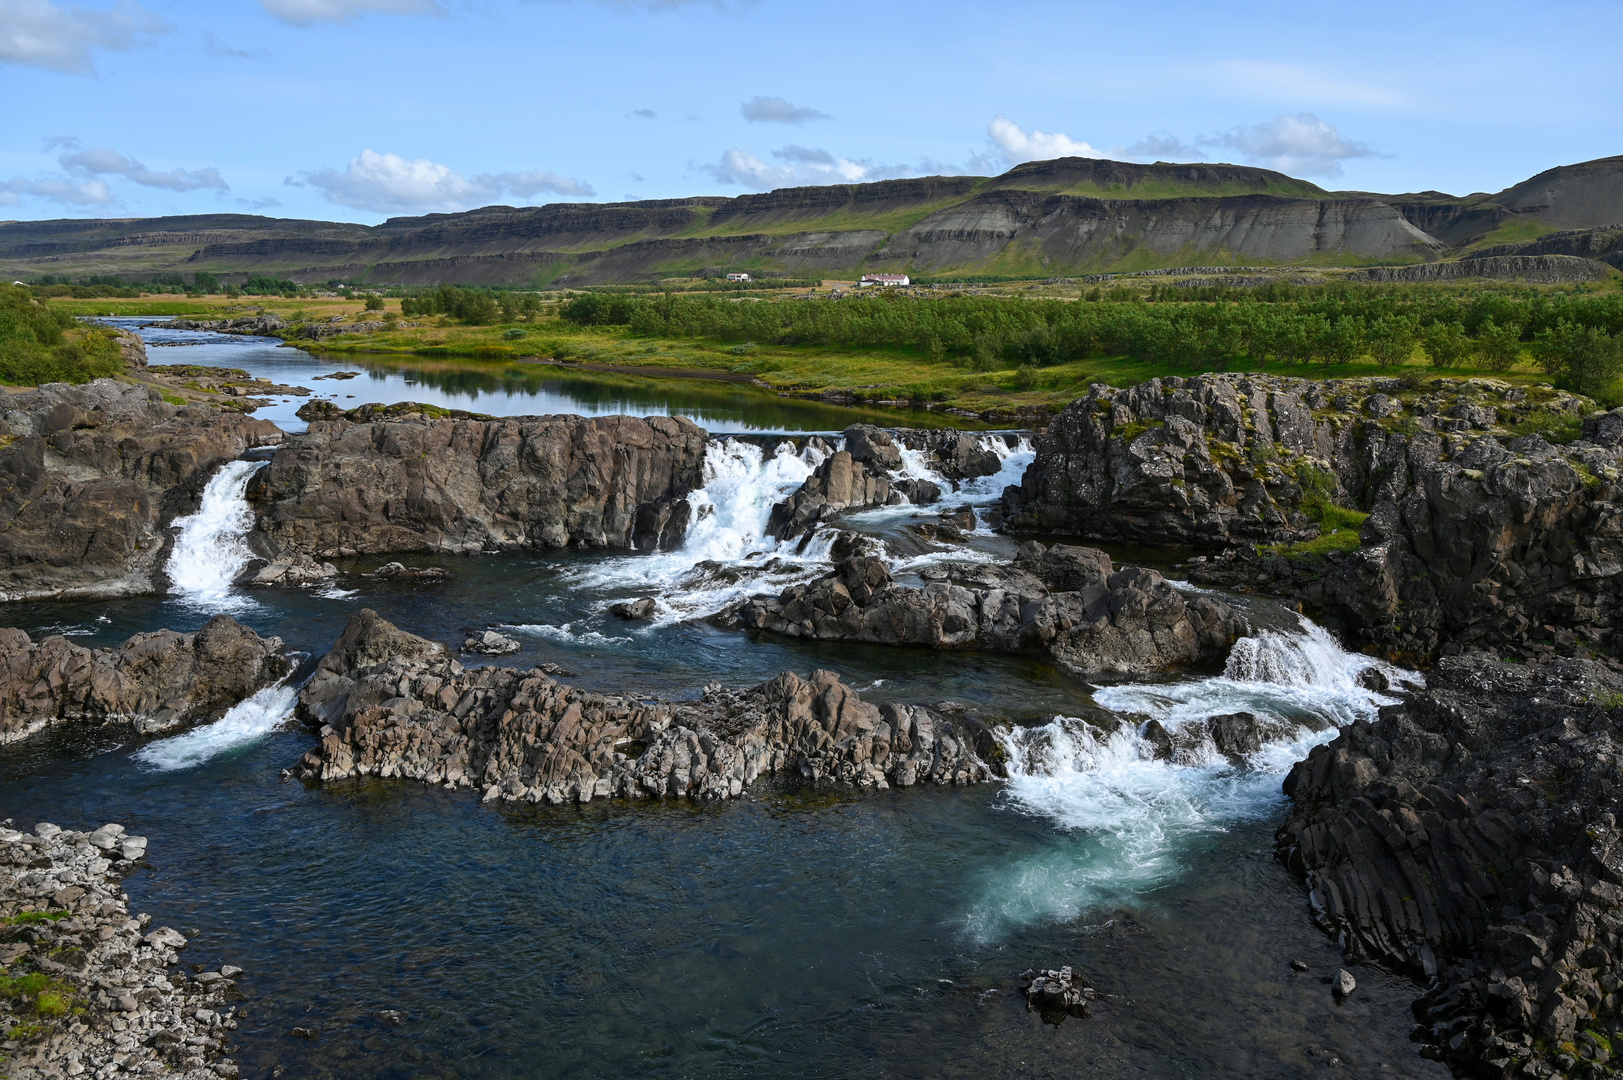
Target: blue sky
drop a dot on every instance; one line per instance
(358, 110)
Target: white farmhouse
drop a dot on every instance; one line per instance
(883, 279)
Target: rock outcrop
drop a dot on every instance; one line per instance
(462, 486)
(93, 990)
(90, 475)
(1067, 602)
(390, 704)
(868, 472)
(153, 682)
(1474, 540)
(839, 485)
(264, 324)
(1217, 460)
(1470, 835)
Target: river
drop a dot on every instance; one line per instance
(797, 932)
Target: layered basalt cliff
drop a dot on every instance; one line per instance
(89, 477)
(153, 682)
(1066, 602)
(1470, 835)
(393, 705)
(471, 485)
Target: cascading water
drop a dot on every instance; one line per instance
(243, 724)
(1127, 814)
(210, 549)
(727, 553)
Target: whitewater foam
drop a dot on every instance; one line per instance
(244, 723)
(727, 554)
(210, 548)
(1126, 815)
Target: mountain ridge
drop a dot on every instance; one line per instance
(1059, 217)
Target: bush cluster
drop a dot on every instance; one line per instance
(38, 345)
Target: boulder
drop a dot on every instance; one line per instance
(839, 485)
(490, 643)
(153, 682)
(298, 569)
(635, 610)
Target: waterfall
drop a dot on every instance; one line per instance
(210, 548)
(727, 554)
(1129, 815)
(245, 722)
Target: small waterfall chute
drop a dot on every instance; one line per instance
(244, 723)
(211, 546)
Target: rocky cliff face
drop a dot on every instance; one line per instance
(1066, 602)
(89, 475)
(1474, 540)
(471, 485)
(393, 705)
(1470, 835)
(153, 682)
(1211, 460)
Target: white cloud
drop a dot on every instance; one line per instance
(1161, 146)
(58, 190)
(1015, 144)
(803, 166)
(388, 183)
(100, 161)
(305, 12)
(39, 33)
(1302, 145)
(776, 110)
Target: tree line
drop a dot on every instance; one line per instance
(1578, 338)
(475, 307)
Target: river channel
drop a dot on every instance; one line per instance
(796, 932)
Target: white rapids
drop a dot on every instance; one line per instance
(244, 723)
(1126, 815)
(211, 549)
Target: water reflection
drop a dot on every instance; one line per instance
(506, 388)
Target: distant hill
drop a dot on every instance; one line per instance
(1063, 217)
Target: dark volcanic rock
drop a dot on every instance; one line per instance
(152, 682)
(1065, 601)
(265, 324)
(1470, 835)
(1223, 459)
(394, 705)
(89, 475)
(459, 486)
(1516, 545)
(837, 486)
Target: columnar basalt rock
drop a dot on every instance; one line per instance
(1474, 541)
(1067, 602)
(390, 704)
(91, 474)
(463, 486)
(153, 682)
(1217, 460)
(108, 995)
(1470, 835)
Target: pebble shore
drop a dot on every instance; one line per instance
(86, 988)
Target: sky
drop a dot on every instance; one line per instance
(359, 110)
